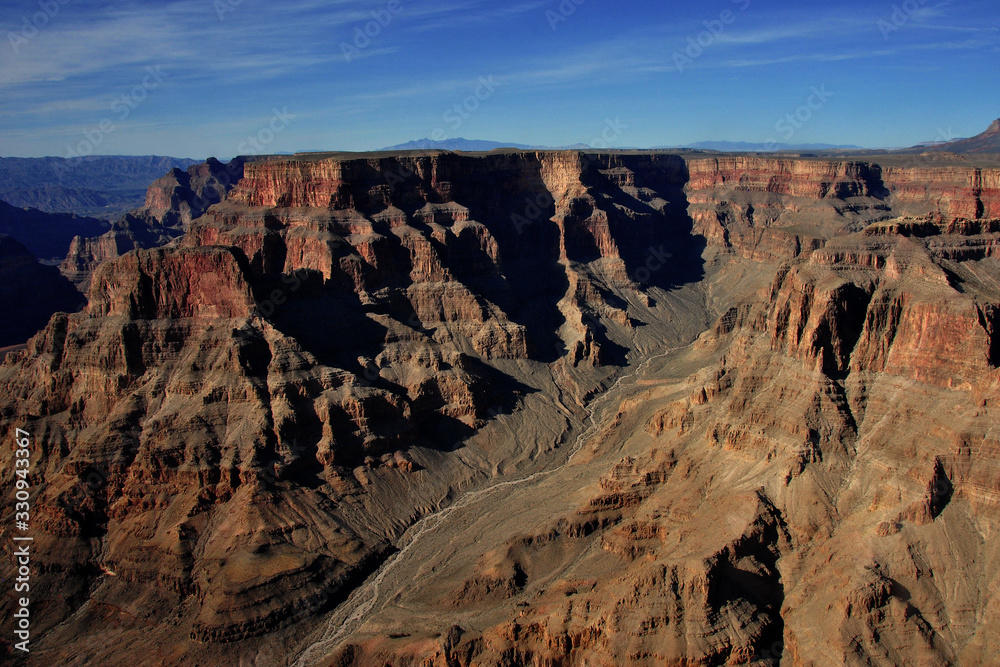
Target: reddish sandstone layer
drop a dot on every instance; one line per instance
(804, 202)
(159, 285)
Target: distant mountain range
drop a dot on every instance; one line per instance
(746, 147)
(985, 142)
(102, 186)
(476, 145)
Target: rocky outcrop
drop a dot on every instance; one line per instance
(180, 284)
(954, 192)
(811, 179)
(182, 196)
(464, 242)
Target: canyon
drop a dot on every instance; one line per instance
(524, 407)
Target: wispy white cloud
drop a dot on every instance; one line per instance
(772, 35)
(413, 90)
(266, 40)
(477, 12)
(970, 44)
(49, 107)
(64, 51)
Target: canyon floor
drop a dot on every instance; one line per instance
(524, 408)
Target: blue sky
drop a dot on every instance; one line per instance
(194, 78)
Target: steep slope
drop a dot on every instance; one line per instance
(604, 409)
